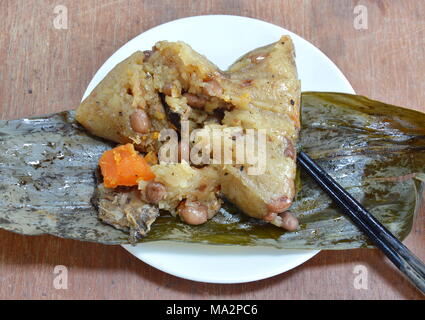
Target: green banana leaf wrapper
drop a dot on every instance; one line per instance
(375, 150)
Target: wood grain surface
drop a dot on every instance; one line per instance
(44, 70)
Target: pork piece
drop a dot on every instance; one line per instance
(125, 108)
(124, 209)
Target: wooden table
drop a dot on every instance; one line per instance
(44, 69)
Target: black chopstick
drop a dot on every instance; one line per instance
(399, 254)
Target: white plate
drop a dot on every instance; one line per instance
(223, 39)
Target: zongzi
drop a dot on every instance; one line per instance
(254, 104)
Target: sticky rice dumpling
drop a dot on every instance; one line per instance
(254, 103)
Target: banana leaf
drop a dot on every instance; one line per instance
(375, 150)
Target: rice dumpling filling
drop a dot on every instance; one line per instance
(174, 87)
